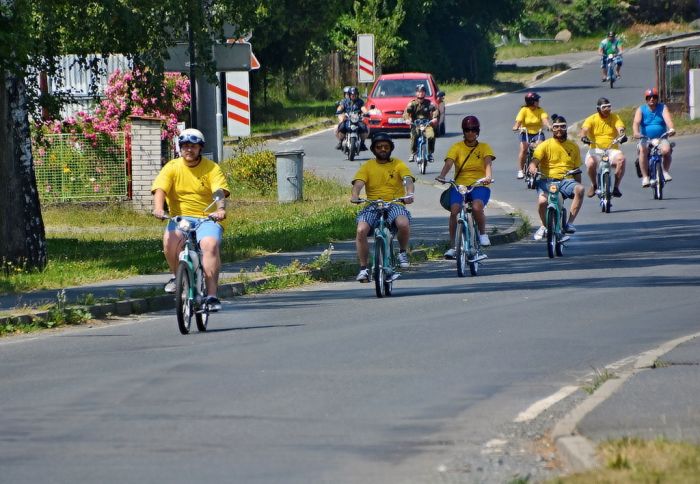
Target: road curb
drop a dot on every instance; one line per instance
(578, 450)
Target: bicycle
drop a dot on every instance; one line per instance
(611, 62)
(190, 284)
(532, 140)
(422, 153)
(467, 245)
(555, 215)
(655, 165)
(385, 255)
(603, 174)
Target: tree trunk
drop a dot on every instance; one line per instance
(21, 225)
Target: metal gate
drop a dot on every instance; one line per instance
(672, 67)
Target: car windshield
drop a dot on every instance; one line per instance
(400, 88)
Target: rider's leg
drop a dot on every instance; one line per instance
(522, 151)
(361, 243)
(211, 263)
(479, 216)
(542, 208)
(576, 203)
(404, 231)
(591, 169)
(430, 136)
(172, 245)
(619, 163)
(643, 152)
(666, 153)
(413, 141)
(454, 211)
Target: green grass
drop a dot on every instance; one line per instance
(89, 243)
(283, 115)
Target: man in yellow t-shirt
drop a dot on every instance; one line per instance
(385, 178)
(554, 158)
(472, 163)
(599, 130)
(530, 120)
(188, 184)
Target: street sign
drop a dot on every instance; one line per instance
(227, 57)
(365, 58)
(237, 104)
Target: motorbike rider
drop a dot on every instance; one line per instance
(651, 120)
(472, 161)
(422, 108)
(533, 118)
(440, 96)
(348, 105)
(599, 130)
(386, 178)
(610, 45)
(553, 158)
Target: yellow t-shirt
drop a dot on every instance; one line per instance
(383, 180)
(532, 119)
(602, 131)
(556, 158)
(474, 167)
(188, 191)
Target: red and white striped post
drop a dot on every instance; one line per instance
(237, 104)
(365, 58)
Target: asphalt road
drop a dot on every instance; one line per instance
(329, 384)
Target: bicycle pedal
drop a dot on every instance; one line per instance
(565, 238)
(478, 258)
(394, 276)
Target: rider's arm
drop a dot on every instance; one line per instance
(668, 120)
(637, 123)
(409, 188)
(159, 203)
(408, 114)
(446, 168)
(488, 168)
(357, 186)
(534, 166)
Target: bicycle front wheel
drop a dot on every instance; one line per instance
(660, 180)
(551, 232)
(183, 299)
(461, 248)
(607, 193)
(202, 318)
(379, 271)
(474, 246)
(424, 156)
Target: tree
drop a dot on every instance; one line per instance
(34, 33)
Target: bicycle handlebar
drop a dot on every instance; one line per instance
(481, 182)
(379, 200)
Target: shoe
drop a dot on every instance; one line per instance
(412, 158)
(604, 79)
(591, 191)
(617, 193)
(570, 229)
(564, 239)
(541, 232)
(363, 146)
(363, 275)
(403, 260)
(520, 175)
(394, 276)
(170, 286)
(449, 254)
(430, 158)
(213, 304)
(652, 183)
(484, 240)
(667, 176)
(645, 181)
(339, 146)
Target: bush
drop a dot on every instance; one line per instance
(252, 166)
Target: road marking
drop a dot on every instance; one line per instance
(540, 406)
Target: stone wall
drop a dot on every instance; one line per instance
(145, 159)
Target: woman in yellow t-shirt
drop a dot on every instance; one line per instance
(530, 120)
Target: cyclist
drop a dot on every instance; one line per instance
(422, 108)
(472, 161)
(651, 120)
(348, 105)
(386, 178)
(533, 118)
(187, 184)
(553, 158)
(610, 45)
(600, 129)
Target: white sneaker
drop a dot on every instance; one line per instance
(403, 260)
(484, 240)
(520, 175)
(541, 232)
(667, 176)
(363, 275)
(170, 286)
(449, 254)
(645, 181)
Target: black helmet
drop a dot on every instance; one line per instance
(420, 87)
(611, 34)
(531, 98)
(381, 136)
(346, 89)
(440, 94)
(601, 101)
(471, 122)
(353, 90)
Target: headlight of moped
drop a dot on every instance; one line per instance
(462, 189)
(655, 142)
(184, 224)
(553, 188)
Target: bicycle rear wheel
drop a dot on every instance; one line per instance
(183, 301)
(551, 232)
(461, 248)
(379, 272)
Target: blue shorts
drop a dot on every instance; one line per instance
(566, 187)
(529, 138)
(208, 228)
(371, 216)
(478, 193)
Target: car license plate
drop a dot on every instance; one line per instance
(396, 121)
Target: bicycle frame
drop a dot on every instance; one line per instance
(422, 152)
(604, 176)
(190, 262)
(655, 166)
(555, 215)
(531, 140)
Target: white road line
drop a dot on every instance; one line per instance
(540, 406)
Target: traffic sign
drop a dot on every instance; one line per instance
(237, 104)
(227, 57)
(365, 58)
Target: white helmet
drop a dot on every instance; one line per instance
(191, 135)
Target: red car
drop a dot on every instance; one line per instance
(389, 97)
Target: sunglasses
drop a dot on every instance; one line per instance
(558, 127)
(605, 106)
(190, 138)
(652, 97)
(473, 130)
